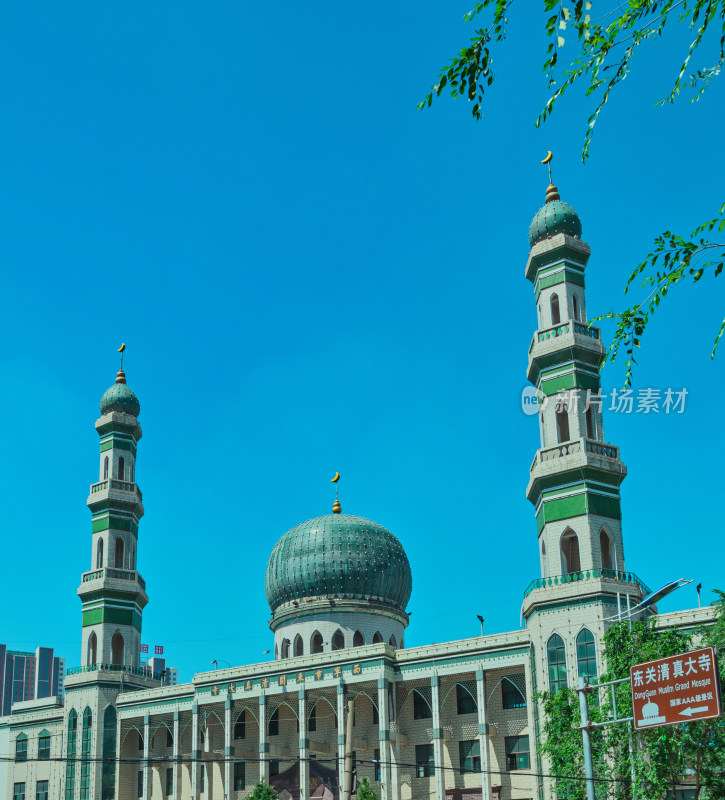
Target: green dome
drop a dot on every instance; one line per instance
(340, 555)
(552, 218)
(120, 398)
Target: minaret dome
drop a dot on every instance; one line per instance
(554, 217)
(120, 397)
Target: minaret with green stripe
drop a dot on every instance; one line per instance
(113, 592)
(576, 475)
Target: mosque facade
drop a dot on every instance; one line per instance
(450, 721)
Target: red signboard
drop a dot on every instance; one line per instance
(159, 650)
(681, 688)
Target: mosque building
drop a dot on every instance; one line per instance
(450, 721)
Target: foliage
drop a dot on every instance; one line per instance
(656, 758)
(365, 791)
(262, 791)
(605, 49)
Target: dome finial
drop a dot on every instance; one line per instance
(336, 507)
(552, 193)
(121, 376)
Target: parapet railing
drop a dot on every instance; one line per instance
(143, 672)
(555, 581)
(117, 574)
(575, 446)
(565, 327)
(122, 486)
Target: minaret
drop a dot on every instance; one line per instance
(113, 592)
(575, 475)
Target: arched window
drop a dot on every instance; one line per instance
(555, 315)
(543, 557)
(570, 561)
(338, 640)
(70, 769)
(121, 469)
(108, 770)
(92, 647)
(285, 648)
(393, 642)
(132, 558)
(542, 429)
(377, 638)
(299, 648)
(105, 469)
(589, 417)
(132, 470)
(586, 655)
(44, 746)
(274, 723)
(21, 747)
(119, 553)
(240, 726)
(562, 422)
(312, 719)
(556, 657)
(358, 640)
(276, 652)
(605, 544)
(99, 553)
(86, 754)
(575, 304)
(316, 642)
(117, 648)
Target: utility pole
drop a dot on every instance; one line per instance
(588, 765)
(347, 780)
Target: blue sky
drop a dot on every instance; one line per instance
(310, 275)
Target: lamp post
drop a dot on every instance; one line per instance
(481, 620)
(216, 661)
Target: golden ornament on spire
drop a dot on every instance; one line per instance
(336, 507)
(336, 478)
(552, 193)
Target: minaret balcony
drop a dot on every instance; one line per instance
(111, 573)
(115, 491)
(574, 455)
(119, 580)
(567, 341)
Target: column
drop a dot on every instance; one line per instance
(534, 757)
(437, 736)
(340, 729)
(195, 752)
(394, 749)
(483, 733)
(263, 743)
(304, 747)
(117, 788)
(175, 759)
(228, 749)
(146, 752)
(384, 738)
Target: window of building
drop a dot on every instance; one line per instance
(41, 790)
(169, 738)
(240, 726)
(274, 723)
(358, 640)
(99, 554)
(556, 657)
(312, 721)
(117, 648)
(70, 769)
(202, 776)
(19, 791)
(140, 742)
(605, 545)
(273, 768)
(465, 701)
(44, 746)
(512, 696)
(575, 304)
(589, 416)
(338, 640)
(685, 794)
(121, 469)
(570, 561)
(377, 638)
(562, 422)
(469, 754)
(169, 780)
(421, 709)
(299, 648)
(517, 752)
(139, 783)
(316, 642)
(586, 655)
(108, 754)
(92, 647)
(239, 777)
(424, 765)
(284, 653)
(105, 469)
(376, 715)
(376, 759)
(86, 754)
(132, 470)
(393, 642)
(119, 553)
(21, 748)
(555, 315)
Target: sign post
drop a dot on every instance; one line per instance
(676, 689)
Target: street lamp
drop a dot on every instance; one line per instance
(481, 620)
(216, 661)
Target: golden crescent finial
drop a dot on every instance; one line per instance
(548, 158)
(336, 478)
(122, 347)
